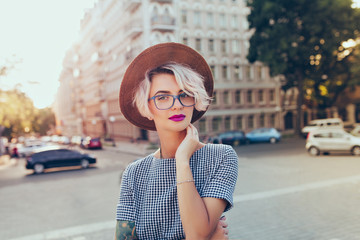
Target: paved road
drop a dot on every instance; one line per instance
(282, 193)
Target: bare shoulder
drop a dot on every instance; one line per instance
(125, 230)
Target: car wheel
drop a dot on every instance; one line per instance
(272, 140)
(38, 168)
(236, 143)
(355, 151)
(314, 151)
(84, 163)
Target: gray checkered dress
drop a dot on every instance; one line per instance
(148, 189)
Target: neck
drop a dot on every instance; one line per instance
(169, 142)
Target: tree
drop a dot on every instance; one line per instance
(43, 121)
(19, 116)
(302, 40)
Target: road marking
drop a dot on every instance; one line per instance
(110, 225)
(72, 231)
(295, 189)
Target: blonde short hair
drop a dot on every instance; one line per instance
(191, 82)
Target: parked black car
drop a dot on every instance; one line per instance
(52, 157)
(233, 138)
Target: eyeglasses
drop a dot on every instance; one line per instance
(166, 101)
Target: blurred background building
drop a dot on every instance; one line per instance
(114, 32)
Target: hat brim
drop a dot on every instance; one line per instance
(154, 57)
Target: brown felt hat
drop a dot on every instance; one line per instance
(152, 58)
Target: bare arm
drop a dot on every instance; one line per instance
(199, 216)
(125, 230)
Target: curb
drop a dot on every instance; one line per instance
(134, 149)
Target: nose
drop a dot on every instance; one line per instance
(177, 104)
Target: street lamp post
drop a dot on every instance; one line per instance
(112, 120)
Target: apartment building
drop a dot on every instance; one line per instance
(114, 32)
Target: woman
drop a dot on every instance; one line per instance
(182, 189)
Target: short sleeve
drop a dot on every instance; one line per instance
(221, 183)
(125, 210)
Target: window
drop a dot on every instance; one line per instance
(239, 122)
(222, 20)
(184, 17)
(211, 45)
(262, 120)
(337, 135)
(227, 123)
(224, 72)
(237, 72)
(322, 135)
(272, 95)
(212, 67)
(202, 126)
(258, 72)
(234, 21)
(216, 124)
(214, 98)
(261, 96)
(185, 41)
(223, 46)
(236, 46)
(197, 18)
(251, 121)
(272, 120)
(226, 97)
(248, 74)
(210, 19)
(238, 97)
(249, 96)
(198, 44)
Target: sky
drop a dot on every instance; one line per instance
(35, 34)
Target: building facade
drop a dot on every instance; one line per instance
(114, 32)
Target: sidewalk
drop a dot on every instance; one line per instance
(6, 161)
(141, 148)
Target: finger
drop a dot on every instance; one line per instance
(188, 131)
(191, 130)
(224, 224)
(195, 131)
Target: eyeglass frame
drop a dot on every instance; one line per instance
(174, 98)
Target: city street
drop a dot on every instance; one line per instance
(282, 194)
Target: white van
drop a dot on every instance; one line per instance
(322, 123)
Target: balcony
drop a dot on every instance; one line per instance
(131, 5)
(133, 29)
(130, 55)
(163, 23)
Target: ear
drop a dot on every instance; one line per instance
(150, 118)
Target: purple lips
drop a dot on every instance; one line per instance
(177, 118)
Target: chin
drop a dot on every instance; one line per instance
(178, 126)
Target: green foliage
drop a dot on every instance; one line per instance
(19, 116)
(302, 40)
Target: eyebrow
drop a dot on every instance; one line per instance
(166, 92)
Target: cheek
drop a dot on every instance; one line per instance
(190, 111)
(154, 111)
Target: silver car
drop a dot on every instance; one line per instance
(332, 140)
